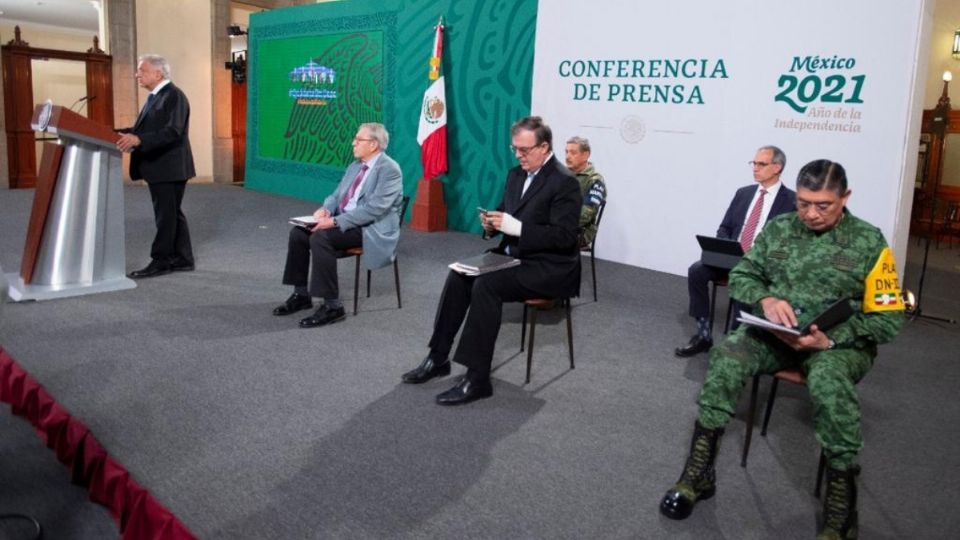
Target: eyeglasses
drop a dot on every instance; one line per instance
(758, 164)
(819, 207)
(361, 139)
(524, 150)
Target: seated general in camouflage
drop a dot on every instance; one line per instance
(592, 187)
(801, 263)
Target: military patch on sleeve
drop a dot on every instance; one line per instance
(881, 288)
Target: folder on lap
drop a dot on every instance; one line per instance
(483, 264)
(307, 222)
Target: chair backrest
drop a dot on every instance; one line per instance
(600, 214)
(403, 207)
(596, 222)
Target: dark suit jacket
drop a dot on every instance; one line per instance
(550, 213)
(164, 153)
(732, 223)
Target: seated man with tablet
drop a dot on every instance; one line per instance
(751, 208)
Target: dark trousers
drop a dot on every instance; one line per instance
(699, 277)
(478, 300)
(172, 242)
(321, 248)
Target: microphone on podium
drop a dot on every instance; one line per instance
(84, 99)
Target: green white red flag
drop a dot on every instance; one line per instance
(432, 133)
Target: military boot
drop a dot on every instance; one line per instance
(698, 481)
(840, 505)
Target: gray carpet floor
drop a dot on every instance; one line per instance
(246, 426)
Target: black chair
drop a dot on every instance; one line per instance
(357, 253)
(951, 223)
(794, 376)
(722, 282)
(584, 248)
(537, 305)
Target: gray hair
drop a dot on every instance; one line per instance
(582, 143)
(158, 62)
(778, 155)
(378, 133)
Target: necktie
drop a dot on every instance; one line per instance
(750, 229)
(526, 184)
(353, 187)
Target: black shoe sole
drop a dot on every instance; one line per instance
(292, 311)
(332, 321)
(135, 275)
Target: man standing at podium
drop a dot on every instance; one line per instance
(160, 153)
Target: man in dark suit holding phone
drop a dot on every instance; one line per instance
(160, 153)
(538, 222)
(752, 206)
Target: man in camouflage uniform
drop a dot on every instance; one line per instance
(799, 265)
(592, 187)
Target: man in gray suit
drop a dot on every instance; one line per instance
(364, 211)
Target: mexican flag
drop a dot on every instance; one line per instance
(432, 134)
(885, 299)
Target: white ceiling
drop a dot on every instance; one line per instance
(66, 14)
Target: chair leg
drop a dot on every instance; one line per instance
(356, 284)
(766, 415)
(396, 281)
(713, 303)
(533, 330)
(523, 327)
(368, 283)
(820, 469)
(593, 270)
(569, 333)
(726, 325)
(750, 419)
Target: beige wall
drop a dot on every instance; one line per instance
(946, 20)
(180, 30)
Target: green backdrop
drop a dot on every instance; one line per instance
(487, 62)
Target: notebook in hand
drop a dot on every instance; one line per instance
(835, 314)
(484, 263)
(307, 222)
(719, 252)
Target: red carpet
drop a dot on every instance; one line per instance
(136, 512)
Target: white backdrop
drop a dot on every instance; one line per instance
(673, 159)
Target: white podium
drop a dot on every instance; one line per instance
(75, 239)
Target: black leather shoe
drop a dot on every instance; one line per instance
(696, 346)
(324, 315)
(295, 303)
(183, 266)
(155, 268)
(465, 392)
(427, 370)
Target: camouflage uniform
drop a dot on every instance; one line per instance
(594, 192)
(810, 271)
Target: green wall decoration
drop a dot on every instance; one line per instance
(487, 63)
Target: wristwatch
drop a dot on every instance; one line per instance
(831, 344)
(335, 222)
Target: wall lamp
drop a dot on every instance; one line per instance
(956, 44)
